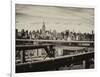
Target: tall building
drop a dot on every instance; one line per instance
(43, 28)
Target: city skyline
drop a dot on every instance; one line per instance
(31, 17)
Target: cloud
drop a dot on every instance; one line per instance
(53, 15)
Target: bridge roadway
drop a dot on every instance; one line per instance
(59, 41)
(55, 63)
(56, 42)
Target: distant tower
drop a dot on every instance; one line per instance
(43, 28)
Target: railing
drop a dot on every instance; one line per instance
(83, 58)
(53, 62)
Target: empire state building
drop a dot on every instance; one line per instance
(43, 28)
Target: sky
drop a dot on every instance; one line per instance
(31, 17)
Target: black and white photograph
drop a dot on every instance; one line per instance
(53, 38)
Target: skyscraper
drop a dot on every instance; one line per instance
(43, 28)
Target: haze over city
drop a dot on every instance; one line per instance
(31, 17)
